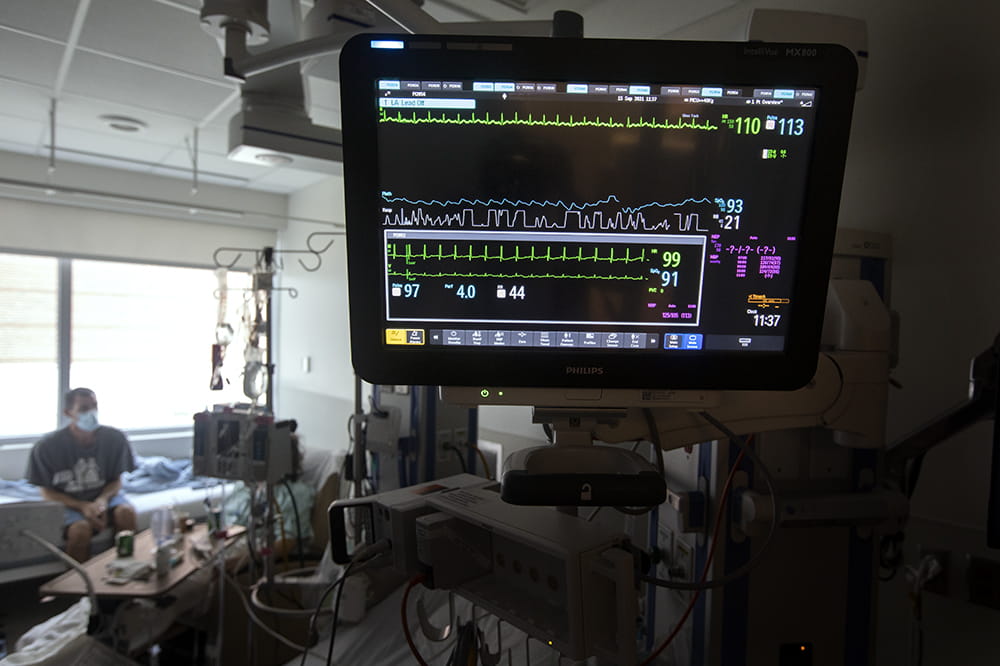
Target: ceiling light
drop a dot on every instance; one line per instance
(259, 156)
(123, 123)
(274, 159)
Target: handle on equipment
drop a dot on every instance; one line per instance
(338, 529)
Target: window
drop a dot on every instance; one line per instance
(29, 366)
(139, 335)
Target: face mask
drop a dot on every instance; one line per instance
(87, 421)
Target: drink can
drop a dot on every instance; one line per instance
(125, 543)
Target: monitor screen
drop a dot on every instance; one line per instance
(595, 213)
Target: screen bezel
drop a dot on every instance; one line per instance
(831, 69)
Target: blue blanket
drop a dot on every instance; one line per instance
(20, 489)
(154, 473)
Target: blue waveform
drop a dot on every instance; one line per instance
(568, 206)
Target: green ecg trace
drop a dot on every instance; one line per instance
(410, 276)
(545, 121)
(408, 254)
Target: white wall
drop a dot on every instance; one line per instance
(133, 232)
(81, 232)
(315, 325)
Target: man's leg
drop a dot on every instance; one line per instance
(122, 514)
(78, 540)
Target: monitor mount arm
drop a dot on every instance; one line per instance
(904, 459)
(240, 25)
(848, 395)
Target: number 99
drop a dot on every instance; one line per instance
(672, 259)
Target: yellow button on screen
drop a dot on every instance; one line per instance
(395, 336)
(404, 336)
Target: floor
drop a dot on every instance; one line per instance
(21, 609)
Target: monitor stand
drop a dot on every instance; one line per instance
(574, 472)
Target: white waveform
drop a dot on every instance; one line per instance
(503, 218)
(418, 218)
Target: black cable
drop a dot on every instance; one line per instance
(464, 651)
(756, 559)
(547, 429)
(913, 474)
(298, 524)
(319, 608)
(458, 454)
(336, 615)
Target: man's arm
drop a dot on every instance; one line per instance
(53, 495)
(94, 512)
(108, 492)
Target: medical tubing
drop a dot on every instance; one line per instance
(256, 620)
(406, 625)
(44, 543)
(756, 559)
(708, 561)
(366, 553)
(298, 523)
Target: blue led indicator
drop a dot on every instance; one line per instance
(386, 44)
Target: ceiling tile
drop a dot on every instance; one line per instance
(22, 132)
(103, 78)
(52, 19)
(105, 142)
(23, 101)
(84, 115)
(152, 32)
(287, 180)
(36, 61)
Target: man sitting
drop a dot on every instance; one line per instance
(80, 466)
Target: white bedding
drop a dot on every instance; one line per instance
(184, 499)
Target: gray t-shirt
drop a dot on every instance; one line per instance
(60, 463)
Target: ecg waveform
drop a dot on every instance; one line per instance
(521, 276)
(409, 275)
(598, 261)
(545, 121)
(411, 255)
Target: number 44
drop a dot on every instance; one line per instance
(515, 292)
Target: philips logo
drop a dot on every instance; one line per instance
(584, 370)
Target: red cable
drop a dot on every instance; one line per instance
(708, 562)
(406, 625)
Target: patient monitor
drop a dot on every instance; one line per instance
(595, 223)
(591, 227)
(590, 214)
